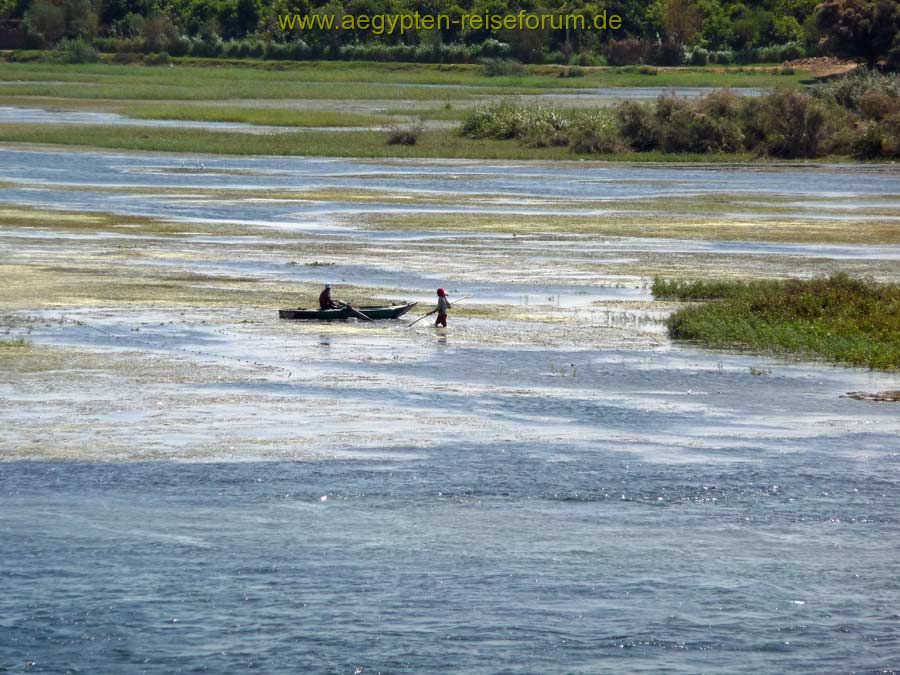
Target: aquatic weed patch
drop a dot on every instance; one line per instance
(839, 318)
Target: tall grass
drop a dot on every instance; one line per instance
(841, 319)
(850, 90)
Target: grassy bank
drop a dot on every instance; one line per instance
(316, 94)
(364, 144)
(840, 319)
(223, 79)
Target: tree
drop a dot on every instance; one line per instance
(239, 17)
(158, 33)
(681, 20)
(859, 28)
(46, 20)
(7, 8)
(81, 21)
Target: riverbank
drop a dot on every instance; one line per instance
(339, 109)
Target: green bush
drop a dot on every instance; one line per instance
(75, 51)
(158, 59)
(297, 50)
(699, 57)
(638, 125)
(125, 58)
(595, 133)
(778, 53)
(546, 132)
(506, 120)
(789, 124)
(502, 68)
(848, 91)
(879, 139)
(574, 71)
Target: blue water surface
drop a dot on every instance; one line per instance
(500, 559)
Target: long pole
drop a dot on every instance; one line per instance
(465, 297)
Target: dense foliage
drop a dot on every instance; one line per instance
(662, 32)
(859, 115)
(841, 319)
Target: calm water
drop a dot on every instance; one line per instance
(508, 498)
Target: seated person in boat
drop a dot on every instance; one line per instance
(326, 301)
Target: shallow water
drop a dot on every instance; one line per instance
(555, 488)
(20, 115)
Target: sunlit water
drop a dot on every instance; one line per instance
(506, 497)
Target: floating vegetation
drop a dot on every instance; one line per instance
(841, 319)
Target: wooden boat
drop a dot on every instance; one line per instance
(388, 312)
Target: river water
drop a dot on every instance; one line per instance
(205, 489)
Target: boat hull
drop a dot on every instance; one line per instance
(343, 313)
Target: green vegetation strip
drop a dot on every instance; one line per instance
(360, 80)
(840, 319)
(365, 144)
(265, 116)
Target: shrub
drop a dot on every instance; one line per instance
(127, 57)
(624, 52)
(157, 59)
(209, 47)
(689, 129)
(638, 125)
(848, 91)
(408, 135)
(297, 50)
(575, 71)
(507, 120)
(778, 53)
(869, 143)
(586, 59)
(545, 132)
(879, 139)
(666, 53)
(699, 57)
(721, 103)
(596, 133)
(789, 124)
(876, 105)
(502, 67)
(492, 48)
(75, 51)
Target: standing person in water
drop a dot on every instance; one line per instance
(325, 299)
(442, 306)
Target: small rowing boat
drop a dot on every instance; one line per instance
(341, 313)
